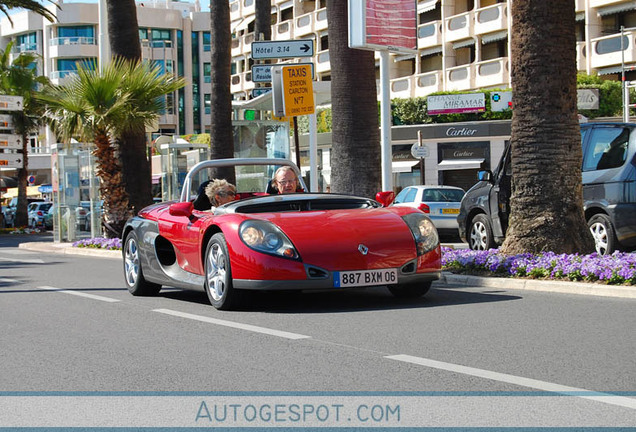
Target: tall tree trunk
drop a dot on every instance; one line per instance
(221, 136)
(263, 20)
(21, 218)
(111, 188)
(547, 193)
(123, 33)
(356, 165)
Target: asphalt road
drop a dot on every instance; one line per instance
(69, 324)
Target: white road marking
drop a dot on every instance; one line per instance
(26, 261)
(517, 380)
(80, 294)
(248, 327)
(5, 280)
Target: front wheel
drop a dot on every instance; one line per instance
(137, 284)
(603, 232)
(480, 237)
(412, 290)
(218, 275)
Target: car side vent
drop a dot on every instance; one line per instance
(317, 273)
(408, 268)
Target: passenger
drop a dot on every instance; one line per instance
(285, 180)
(220, 192)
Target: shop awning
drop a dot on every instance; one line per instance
(494, 37)
(609, 70)
(45, 188)
(403, 166)
(459, 164)
(241, 24)
(32, 191)
(618, 8)
(464, 43)
(426, 5)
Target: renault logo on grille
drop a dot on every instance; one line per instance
(363, 249)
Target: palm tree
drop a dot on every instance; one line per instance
(32, 5)
(263, 19)
(356, 163)
(546, 205)
(99, 106)
(123, 35)
(221, 136)
(19, 78)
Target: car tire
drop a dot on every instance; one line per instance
(411, 290)
(33, 224)
(480, 234)
(603, 232)
(133, 273)
(218, 275)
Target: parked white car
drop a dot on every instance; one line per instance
(37, 212)
(440, 203)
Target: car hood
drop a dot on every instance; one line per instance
(333, 239)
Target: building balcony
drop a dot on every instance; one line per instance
(492, 73)
(248, 7)
(282, 31)
(428, 82)
(402, 87)
(579, 5)
(322, 62)
(321, 19)
(61, 77)
(606, 50)
(73, 47)
(235, 10)
(304, 25)
(241, 82)
(25, 48)
(602, 3)
(460, 77)
(491, 19)
(247, 43)
(429, 34)
(581, 56)
(168, 120)
(459, 27)
(237, 46)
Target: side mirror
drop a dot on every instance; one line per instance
(485, 175)
(181, 209)
(385, 198)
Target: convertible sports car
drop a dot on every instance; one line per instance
(298, 241)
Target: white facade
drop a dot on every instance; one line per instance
(462, 45)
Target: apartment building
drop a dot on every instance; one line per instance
(462, 45)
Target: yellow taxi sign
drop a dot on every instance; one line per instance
(298, 90)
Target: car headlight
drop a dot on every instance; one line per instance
(424, 232)
(265, 237)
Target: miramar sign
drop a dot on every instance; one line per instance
(456, 103)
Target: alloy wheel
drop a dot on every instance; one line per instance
(599, 232)
(216, 272)
(478, 236)
(131, 262)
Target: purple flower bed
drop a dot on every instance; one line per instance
(99, 243)
(618, 268)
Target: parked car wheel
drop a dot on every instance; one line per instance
(133, 273)
(218, 275)
(603, 233)
(410, 290)
(481, 237)
(33, 224)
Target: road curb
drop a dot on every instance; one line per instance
(582, 288)
(67, 248)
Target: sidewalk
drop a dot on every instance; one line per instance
(448, 279)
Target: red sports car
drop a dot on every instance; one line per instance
(261, 241)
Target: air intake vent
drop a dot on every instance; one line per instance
(316, 273)
(408, 268)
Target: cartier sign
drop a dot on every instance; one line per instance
(455, 131)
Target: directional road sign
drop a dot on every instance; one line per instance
(294, 85)
(260, 91)
(282, 49)
(6, 121)
(11, 103)
(263, 73)
(11, 160)
(10, 141)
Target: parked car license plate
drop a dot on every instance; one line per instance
(364, 278)
(450, 211)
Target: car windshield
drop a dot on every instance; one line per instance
(442, 195)
(45, 207)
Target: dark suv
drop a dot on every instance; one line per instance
(609, 192)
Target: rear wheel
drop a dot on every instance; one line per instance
(218, 275)
(603, 233)
(480, 237)
(413, 290)
(137, 284)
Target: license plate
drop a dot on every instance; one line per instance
(364, 278)
(450, 211)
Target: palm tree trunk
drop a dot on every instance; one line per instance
(355, 167)
(221, 135)
(547, 193)
(21, 217)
